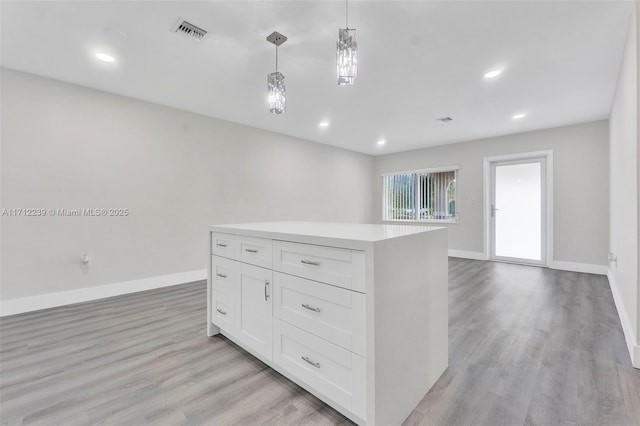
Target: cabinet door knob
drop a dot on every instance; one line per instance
(220, 311)
(310, 262)
(315, 364)
(311, 308)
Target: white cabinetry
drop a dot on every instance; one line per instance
(241, 292)
(336, 266)
(329, 312)
(254, 315)
(356, 314)
(335, 372)
(225, 293)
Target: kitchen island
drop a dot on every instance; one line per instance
(357, 314)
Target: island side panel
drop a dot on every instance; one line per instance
(410, 320)
(370, 336)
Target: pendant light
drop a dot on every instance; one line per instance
(276, 93)
(347, 53)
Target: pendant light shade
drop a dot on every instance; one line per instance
(347, 56)
(347, 53)
(276, 91)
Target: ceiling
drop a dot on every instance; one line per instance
(418, 61)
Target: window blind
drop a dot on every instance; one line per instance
(424, 195)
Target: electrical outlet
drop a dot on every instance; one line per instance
(613, 258)
(85, 261)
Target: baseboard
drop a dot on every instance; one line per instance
(474, 255)
(51, 300)
(587, 268)
(555, 264)
(627, 328)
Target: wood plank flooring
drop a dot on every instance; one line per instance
(528, 346)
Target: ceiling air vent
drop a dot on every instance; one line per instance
(444, 119)
(188, 29)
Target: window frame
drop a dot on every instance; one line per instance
(453, 221)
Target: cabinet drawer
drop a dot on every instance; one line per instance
(333, 313)
(255, 251)
(223, 275)
(336, 266)
(223, 312)
(330, 369)
(223, 245)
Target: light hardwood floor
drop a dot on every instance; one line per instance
(527, 346)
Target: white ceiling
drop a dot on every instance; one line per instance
(419, 60)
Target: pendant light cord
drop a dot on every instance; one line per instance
(276, 58)
(346, 2)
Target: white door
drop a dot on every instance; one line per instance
(254, 316)
(518, 211)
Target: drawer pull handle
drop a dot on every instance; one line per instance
(222, 275)
(266, 293)
(315, 364)
(310, 262)
(220, 311)
(251, 250)
(221, 245)
(311, 308)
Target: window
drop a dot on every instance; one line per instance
(420, 195)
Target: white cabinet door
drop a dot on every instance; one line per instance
(255, 308)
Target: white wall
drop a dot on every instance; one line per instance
(580, 154)
(65, 146)
(623, 226)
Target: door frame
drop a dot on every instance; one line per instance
(547, 216)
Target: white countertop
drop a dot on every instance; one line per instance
(362, 232)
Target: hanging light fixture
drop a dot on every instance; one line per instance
(276, 93)
(347, 53)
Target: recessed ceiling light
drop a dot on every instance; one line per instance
(492, 73)
(381, 142)
(323, 124)
(105, 58)
(519, 116)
